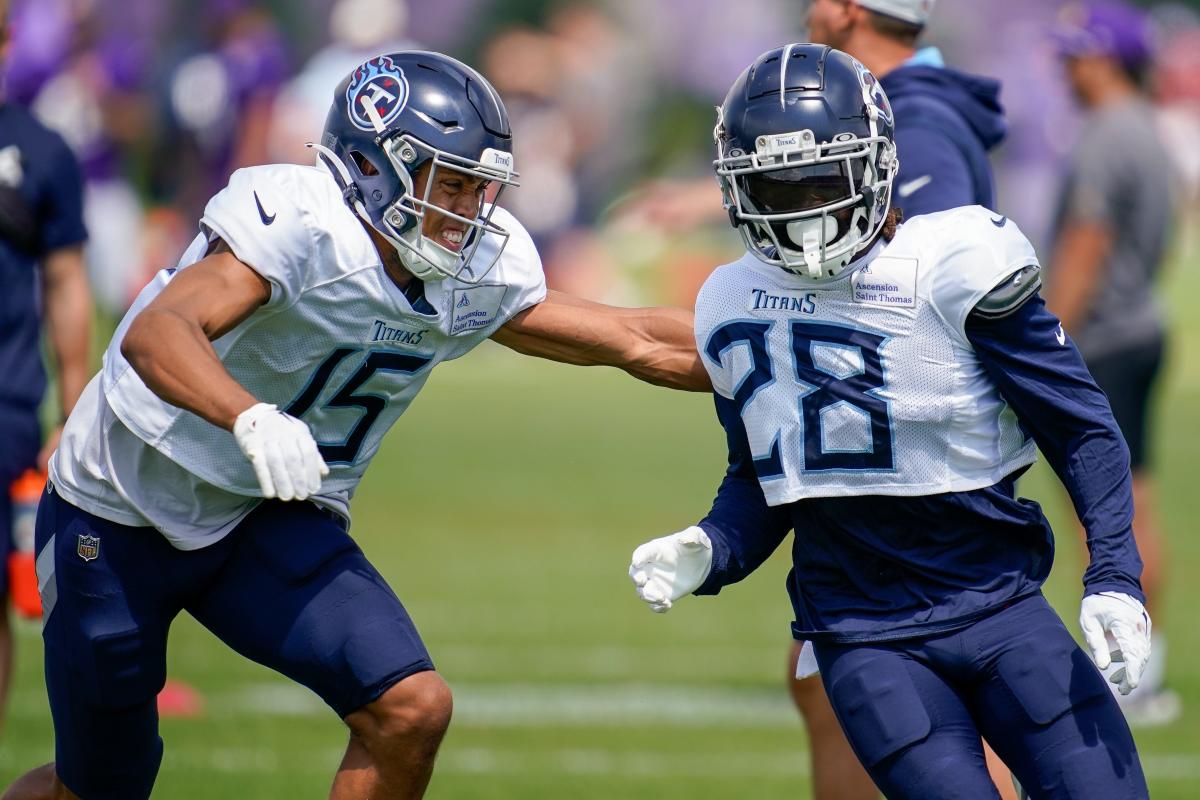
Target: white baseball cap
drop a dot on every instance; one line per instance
(915, 11)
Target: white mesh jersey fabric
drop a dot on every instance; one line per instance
(867, 384)
(338, 344)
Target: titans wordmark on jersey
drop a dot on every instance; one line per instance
(867, 384)
(337, 345)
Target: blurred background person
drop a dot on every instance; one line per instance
(946, 120)
(1115, 213)
(299, 109)
(95, 98)
(44, 278)
(218, 100)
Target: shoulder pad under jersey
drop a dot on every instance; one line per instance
(1010, 294)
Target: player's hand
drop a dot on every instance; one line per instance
(281, 448)
(1117, 618)
(667, 568)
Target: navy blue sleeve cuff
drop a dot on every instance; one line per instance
(714, 583)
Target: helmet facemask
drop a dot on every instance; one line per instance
(398, 208)
(403, 222)
(805, 206)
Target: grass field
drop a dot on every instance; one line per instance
(503, 509)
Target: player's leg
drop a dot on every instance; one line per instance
(1047, 711)
(298, 596)
(408, 720)
(109, 593)
(1001, 774)
(39, 784)
(908, 724)
(836, 773)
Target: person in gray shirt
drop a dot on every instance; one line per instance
(1112, 228)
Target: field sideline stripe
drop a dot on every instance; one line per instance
(527, 705)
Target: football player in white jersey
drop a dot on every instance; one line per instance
(881, 390)
(266, 368)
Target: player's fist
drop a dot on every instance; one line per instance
(667, 568)
(1120, 619)
(284, 454)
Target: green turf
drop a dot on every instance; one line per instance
(503, 509)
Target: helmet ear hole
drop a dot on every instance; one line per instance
(364, 164)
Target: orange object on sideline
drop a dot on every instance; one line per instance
(178, 699)
(22, 585)
(22, 573)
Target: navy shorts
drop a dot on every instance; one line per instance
(914, 711)
(1128, 379)
(287, 588)
(20, 438)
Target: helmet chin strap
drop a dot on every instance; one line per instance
(813, 234)
(424, 258)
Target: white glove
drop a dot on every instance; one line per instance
(281, 448)
(667, 568)
(1117, 618)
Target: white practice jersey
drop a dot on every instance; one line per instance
(337, 345)
(867, 384)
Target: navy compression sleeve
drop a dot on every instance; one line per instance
(744, 530)
(1040, 373)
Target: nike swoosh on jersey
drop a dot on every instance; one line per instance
(908, 187)
(1000, 223)
(1061, 335)
(263, 214)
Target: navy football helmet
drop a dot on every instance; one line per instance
(806, 155)
(393, 115)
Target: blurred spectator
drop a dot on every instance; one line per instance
(946, 120)
(218, 103)
(95, 100)
(577, 102)
(42, 271)
(300, 108)
(1112, 227)
(1177, 95)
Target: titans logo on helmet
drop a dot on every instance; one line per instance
(874, 94)
(383, 85)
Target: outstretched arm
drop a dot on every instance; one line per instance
(655, 345)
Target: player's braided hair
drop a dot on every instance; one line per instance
(891, 222)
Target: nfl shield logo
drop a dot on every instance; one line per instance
(88, 547)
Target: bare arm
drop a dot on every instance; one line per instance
(169, 344)
(68, 319)
(1078, 258)
(655, 345)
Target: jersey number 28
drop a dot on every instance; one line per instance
(823, 389)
